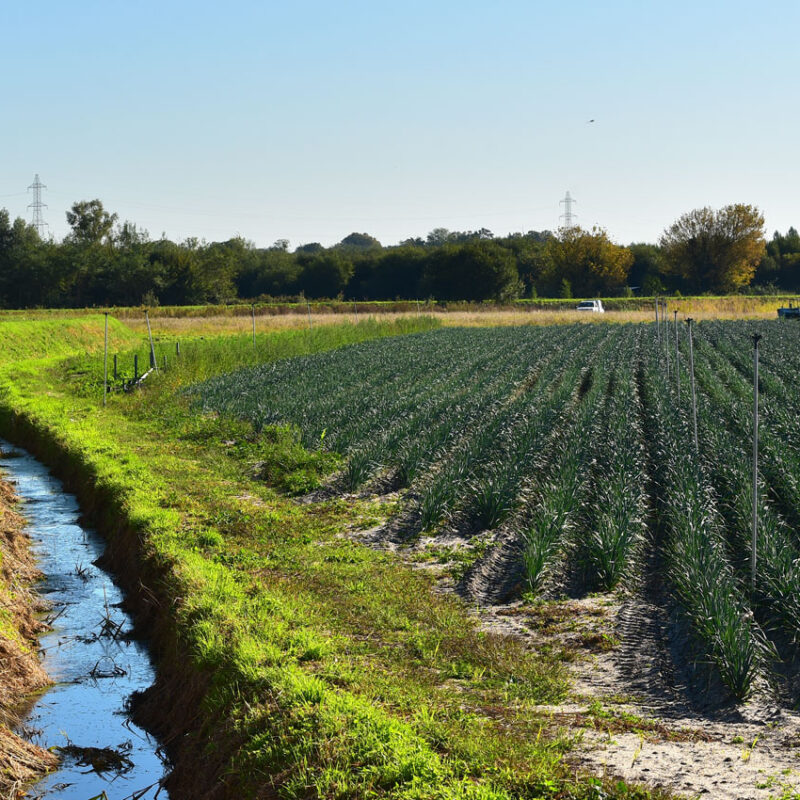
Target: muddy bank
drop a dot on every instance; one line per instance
(20, 671)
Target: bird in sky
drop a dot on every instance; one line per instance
(589, 120)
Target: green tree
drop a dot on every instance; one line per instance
(360, 241)
(479, 270)
(90, 222)
(588, 260)
(716, 251)
(325, 275)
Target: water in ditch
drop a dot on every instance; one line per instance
(89, 655)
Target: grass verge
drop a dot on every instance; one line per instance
(292, 662)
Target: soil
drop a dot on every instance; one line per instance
(644, 708)
(20, 671)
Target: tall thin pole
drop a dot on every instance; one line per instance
(691, 380)
(105, 362)
(677, 358)
(153, 364)
(657, 331)
(253, 310)
(308, 308)
(756, 339)
(665, 321)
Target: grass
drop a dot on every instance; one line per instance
(332, 670)
(24, 339)
(190, 321)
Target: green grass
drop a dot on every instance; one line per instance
(332, 670)
(23, 339)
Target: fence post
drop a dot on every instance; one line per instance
(677, 358)
(105, 361)
(756, 339)
(253, 311)
(115, 366)
(308, 308)
(135, 366)
(689, 322)
(153, 364)
(177, 348)
(665, 322)
(658, 331)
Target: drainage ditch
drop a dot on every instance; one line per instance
(89, 653)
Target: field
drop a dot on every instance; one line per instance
(397, 559)
(570, 447)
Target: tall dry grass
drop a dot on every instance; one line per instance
(215, 325)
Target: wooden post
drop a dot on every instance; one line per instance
(177, 348)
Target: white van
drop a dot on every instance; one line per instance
(591, 305)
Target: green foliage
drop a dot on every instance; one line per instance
(591, 263)
(477, 270)
(264, 594)
(716, 251)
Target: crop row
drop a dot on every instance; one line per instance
(574, 442)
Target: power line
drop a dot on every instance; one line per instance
(37, 205)
(567, 216)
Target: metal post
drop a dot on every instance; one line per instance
(153, 364)
(677, 358)
(308, 308)
(691, 380)
(115, 366)
(664, 319)
(105, 362)
(253, 310)
(756, 339)
(658, 334)
(177, 348)
(135, 366)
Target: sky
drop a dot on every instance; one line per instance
(309, 120)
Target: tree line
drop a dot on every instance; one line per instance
(103, 262)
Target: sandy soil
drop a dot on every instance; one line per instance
(643, 709)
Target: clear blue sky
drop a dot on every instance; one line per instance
(309, 120)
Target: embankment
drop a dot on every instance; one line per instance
(199, 745)
(20, 671)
